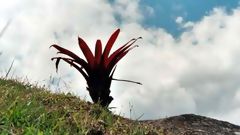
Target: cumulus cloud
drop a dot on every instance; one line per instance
(186, 25)
(38, 24)
(127, 11)
(199, 70)
(195, 73)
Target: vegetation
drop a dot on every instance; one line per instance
(98, 70)
(28, 109)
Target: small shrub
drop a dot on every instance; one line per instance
(97, 70)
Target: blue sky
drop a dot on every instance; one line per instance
(187, 67)
(166, 11)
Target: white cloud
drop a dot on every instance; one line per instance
(186, 25)
(128, 11)
(197, 73)
(179, 20)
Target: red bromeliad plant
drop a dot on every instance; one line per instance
(98, 69)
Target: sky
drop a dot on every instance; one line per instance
(187, 60)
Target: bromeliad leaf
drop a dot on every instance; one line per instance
(98, 52)
(110, 43)
(79, 61)
(86, 51)
(57, 63)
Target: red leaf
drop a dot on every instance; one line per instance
(98, 52)
(71, 63)
(116, 53)
(109, 44)
(121, 49)
(78, 68)
(80, 61)
(57, 63)
(118, 57)
(65, 51)
(86, 51)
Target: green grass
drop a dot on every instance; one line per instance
(31, 110)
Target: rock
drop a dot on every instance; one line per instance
(190, 124)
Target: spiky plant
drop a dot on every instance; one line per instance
(98, 69)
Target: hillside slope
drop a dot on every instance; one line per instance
(190, 124)
(27, 109)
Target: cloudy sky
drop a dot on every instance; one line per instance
(188, 60)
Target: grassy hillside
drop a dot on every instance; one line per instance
(27, 109)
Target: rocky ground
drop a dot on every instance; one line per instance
(190, 124)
